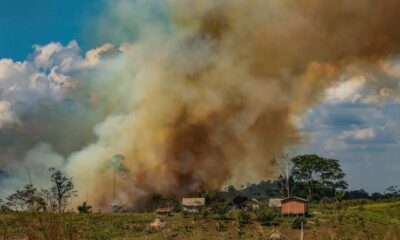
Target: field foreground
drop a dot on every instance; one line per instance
(357, 221)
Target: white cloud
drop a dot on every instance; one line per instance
(94, 56)
(359, 134)
(347, 91)
(6, 115)
(47, 74)
(55, 55)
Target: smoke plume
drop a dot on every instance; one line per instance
(204, 93)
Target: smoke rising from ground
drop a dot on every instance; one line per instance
(203, 93)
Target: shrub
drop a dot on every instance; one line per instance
(243, 217)
(297, 222)
(84, 208)
(266, 216)
(240, 230)
(340, 218)
(221, 209)
(220, 226)
(317, 223)
(204, 214)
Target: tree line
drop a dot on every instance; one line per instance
(54, 199)
(309, 176)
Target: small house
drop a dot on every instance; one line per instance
(164, 211)
(294, 206)
(193, 205)
(275, 203)
(253, 204)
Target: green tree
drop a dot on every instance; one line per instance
(392, 191)
(63, 188)
(319, 176)
(26, 199)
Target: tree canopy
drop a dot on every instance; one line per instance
(318, 176)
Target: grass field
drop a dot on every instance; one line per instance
(356, 220)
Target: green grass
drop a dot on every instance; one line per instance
(367, 221)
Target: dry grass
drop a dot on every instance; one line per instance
(371, 221)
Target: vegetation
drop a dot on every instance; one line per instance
(299, 222)
(266, 216)
(375, 220)
(62, 189)
(84, 208)
(320, 177)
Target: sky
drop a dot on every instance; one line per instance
(26, 23)
(364, 135)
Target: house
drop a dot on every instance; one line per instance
(275, 203)
(253, 204)
(294, 206)
(193, 205)
(164, 211)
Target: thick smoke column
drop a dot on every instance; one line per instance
(207, 91)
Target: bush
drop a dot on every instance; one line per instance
(243, 217)
(204, 214)
(240, 231)
(221, 209)
(84, 208)
(297, 221)
(220, 226)
(266, 216)
(317, 223)
(185, 214)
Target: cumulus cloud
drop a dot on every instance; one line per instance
(347, 91)
(43, 77)
(47, 74)
(6, 115)
(359, 134)
(94, 56)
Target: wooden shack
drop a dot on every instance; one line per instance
(164, 211)
(294, 206)
(193, 205)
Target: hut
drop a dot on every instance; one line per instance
(253, 204)
(294, 206)
(193, 205)
(275, 203)
(164, 211)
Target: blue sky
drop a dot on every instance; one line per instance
(24, 23)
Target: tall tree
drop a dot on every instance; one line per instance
(320, 176)
(62, 190)
(285, 182)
